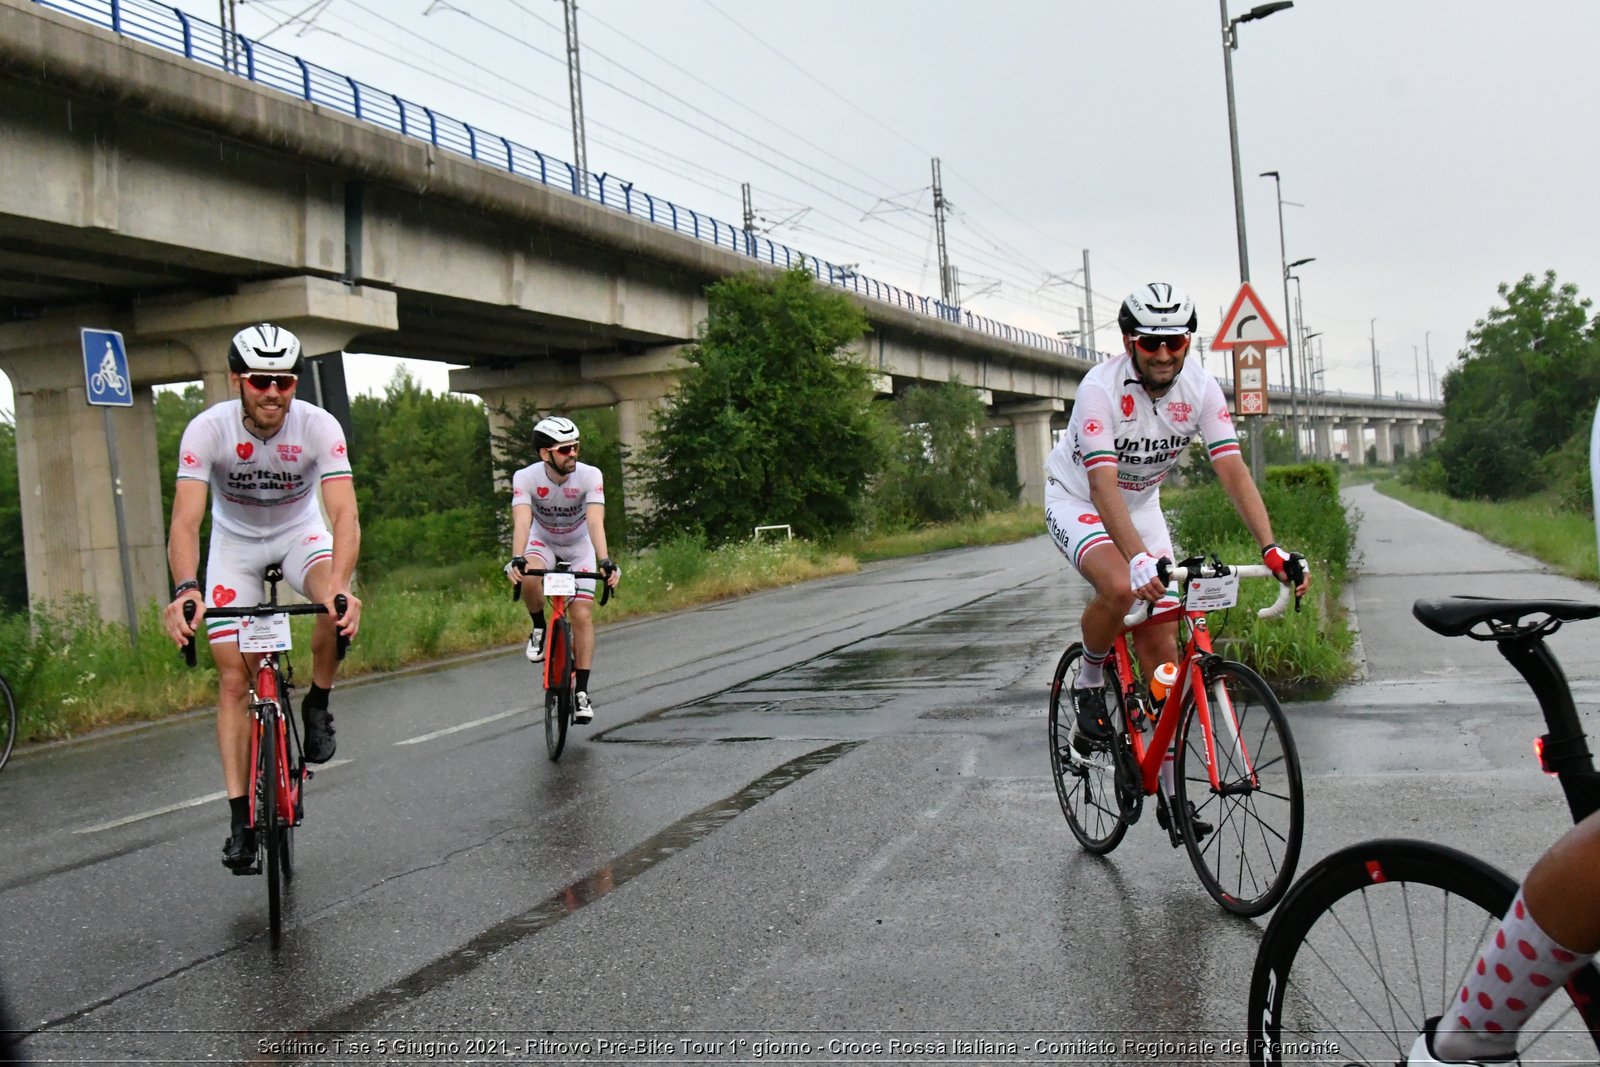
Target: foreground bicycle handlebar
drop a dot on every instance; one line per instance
(261, 611)
(1179, 575)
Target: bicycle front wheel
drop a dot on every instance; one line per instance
(1373, 942)
(1257, 814)
(1085, 784)
(558, 681)
(8, 722)
(271, 824)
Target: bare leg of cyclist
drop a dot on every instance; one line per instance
(1552, 929)
(581, 612)
(233, 716)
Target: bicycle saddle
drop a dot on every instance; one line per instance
(1454, 616)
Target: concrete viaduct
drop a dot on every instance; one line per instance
(144, 192)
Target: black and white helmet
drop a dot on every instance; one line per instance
(554, 430)
(1158, 308)
(264, 348)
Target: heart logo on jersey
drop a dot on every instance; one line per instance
(1127, 404)
(544, 491)
(245, 449)
(222, 596)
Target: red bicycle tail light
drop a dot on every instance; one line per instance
(1538, 750)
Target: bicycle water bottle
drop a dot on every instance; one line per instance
(1165, 677)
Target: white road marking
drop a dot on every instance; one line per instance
(463, 726)
(180, 805)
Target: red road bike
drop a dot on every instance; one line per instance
(1244, 781)
(275, 752)
(560, 658)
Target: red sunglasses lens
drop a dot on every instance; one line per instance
(263, 382)
(1152, 342)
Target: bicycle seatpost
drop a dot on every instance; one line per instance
(1564, 750)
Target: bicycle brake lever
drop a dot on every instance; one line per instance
(340, 643)
(188, 647)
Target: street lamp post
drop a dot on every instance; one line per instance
(1230, 41)
(1288, 327)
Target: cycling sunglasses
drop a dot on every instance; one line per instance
(262, 382)
(1151, 342)
(564, 450)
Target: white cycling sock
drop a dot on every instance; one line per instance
(1093, 674)
(1517, 970)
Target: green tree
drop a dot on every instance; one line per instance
(174, 411)
(424, 477)
(13, 566)
(944, 465)
(1527, 384)
(771, 422)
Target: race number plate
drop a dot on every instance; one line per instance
(558, 583)
(264, 633)
(1213, 594)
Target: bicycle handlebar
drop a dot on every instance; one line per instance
(1178, 575)
(522, 568)
(341, 643)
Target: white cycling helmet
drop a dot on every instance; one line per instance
(554, 430)
(264, 348)
(1158, 307)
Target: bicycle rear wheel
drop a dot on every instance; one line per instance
(558, 687)
(1374, 941)
(8, 722)
(1249, 859)
(1085, 785)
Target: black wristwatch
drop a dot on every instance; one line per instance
(183, 587)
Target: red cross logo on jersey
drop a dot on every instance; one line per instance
(191, 460)
(244, 448)
(1127, 404)
(1091, 427)
(339, 449)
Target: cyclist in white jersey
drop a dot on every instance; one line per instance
(263, 457)
(1132, 420)
(558, 512)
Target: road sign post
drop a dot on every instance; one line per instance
(1248, 331)
(108, 384)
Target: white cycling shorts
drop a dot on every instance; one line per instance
(577, 554)
(236, 564)
(1076, 528)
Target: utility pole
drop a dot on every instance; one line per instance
(228, 15)
(1088, 300)
(1429, 351)
(580, 150)
(1377, 375)
(749, 220)
(1416, 362)
(947, 278)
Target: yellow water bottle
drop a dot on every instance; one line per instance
(1162, 681)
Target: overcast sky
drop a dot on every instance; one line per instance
(1430, 149)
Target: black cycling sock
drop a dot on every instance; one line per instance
(538, 620)
(239, 811)
(316, 697)
(583, 680)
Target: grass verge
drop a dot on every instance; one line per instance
(1536, 526)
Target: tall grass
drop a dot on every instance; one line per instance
(1538, 526)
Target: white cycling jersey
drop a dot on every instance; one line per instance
(262, 487)
(1116, 423)
(560, 509)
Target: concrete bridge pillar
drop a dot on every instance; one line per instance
(63, 460)
(1322, 438)
(1356, 441)
(1410, 436)
(1030, 424)
(1383, 440)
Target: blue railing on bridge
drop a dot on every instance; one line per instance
(176, 31)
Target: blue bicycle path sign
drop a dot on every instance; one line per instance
(105, 369)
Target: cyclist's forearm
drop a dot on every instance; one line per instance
(521, 521)
(595, 518)
(346, 549)
(1241, 489)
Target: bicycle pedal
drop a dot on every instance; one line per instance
(247, 870)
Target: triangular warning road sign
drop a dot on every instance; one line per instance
(1247, 323)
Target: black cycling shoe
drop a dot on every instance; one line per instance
(1094, 725)
(320, 745)
(1202, 829)
(239, 850)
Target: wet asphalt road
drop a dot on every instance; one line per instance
(816, 814)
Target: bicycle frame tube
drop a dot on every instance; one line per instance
(267, 691)
(558, 611)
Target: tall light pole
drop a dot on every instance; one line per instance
(1288, 327)
(1230, 41)
(580, 142)
(1377, 376)
(1429, 352)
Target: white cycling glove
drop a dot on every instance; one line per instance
(1142, 570)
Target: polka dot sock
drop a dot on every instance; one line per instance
(1518, 970)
